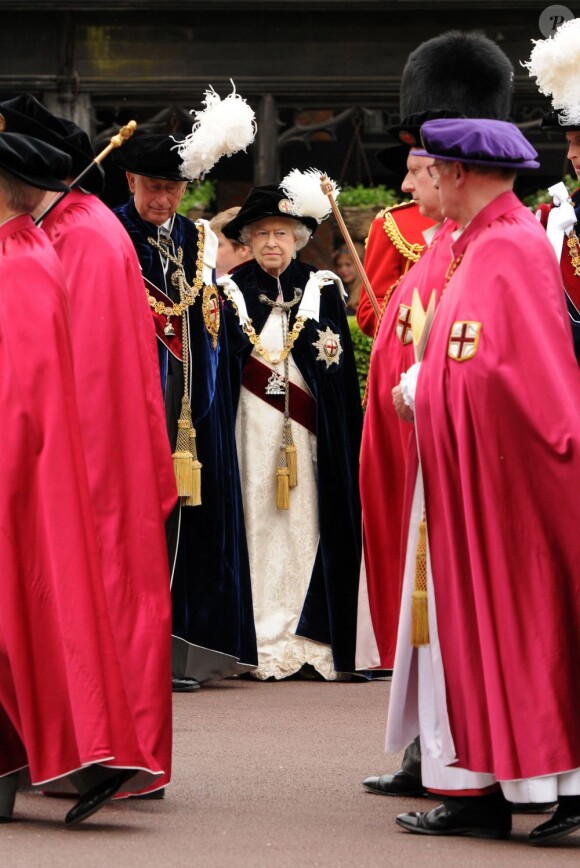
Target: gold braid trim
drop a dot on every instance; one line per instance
(400, 243)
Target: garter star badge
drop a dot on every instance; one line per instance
(285, 206)
(210, 306)
(463, 340)
(403, 324)
(328, 346)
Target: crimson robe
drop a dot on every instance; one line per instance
(385, 442)
(499, 441)
(63, 703)
(131, 477)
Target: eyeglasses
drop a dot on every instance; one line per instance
(433, 173)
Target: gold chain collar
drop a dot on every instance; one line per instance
(256, 340)
(573, 250)
(187, 293)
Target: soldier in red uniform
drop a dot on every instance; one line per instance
(394, 244)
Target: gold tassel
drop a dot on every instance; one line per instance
(282, 488)
(182, 457)
(292, 460)
(419, 608)
(194, 499)
(282, 481)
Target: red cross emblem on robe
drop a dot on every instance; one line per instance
(403, 324)
(463, 340)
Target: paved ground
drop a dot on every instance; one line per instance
(265, 776)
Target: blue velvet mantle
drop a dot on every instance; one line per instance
(211, 588)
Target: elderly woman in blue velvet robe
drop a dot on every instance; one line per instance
(298, 432)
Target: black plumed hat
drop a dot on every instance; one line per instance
(554, 120)
(25, 114)
(463, 72)
(154, 155)
(267, 201)
(34, 162)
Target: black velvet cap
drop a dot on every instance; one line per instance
(25, 114)
(407, 134)
(408, 130)
(33, 161)
(553, 121)
(154, 155)
(266, 201)
(394, 159)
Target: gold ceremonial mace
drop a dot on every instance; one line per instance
(117, 140)
(327, 189)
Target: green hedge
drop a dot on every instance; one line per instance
(362, 352)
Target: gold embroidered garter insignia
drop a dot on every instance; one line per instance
(328, 346)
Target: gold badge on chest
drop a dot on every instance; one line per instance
(210, 306)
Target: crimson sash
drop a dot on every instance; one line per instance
(302, 406)
(172, 342)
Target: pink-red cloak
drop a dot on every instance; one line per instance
(498, 422)
(63, 704)
(131, 477)
(384, 447)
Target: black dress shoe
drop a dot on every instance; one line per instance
(533, 807)
(399, 784)
(181, 684)
(97, 796)
(471, 816)
(156, 794)
(565, 820)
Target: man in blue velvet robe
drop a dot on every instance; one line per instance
(213, 627)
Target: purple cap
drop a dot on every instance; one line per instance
(479, 141)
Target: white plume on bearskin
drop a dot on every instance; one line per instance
(223, 128)
(305, 194)
(555, 64)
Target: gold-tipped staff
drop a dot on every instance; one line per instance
(328, 190)
(116, 141)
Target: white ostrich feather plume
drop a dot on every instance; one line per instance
(305, 194)
(222, 128)
(555, 64)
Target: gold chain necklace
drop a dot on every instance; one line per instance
(187, 293)
(256, 340)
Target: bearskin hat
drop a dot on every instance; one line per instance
(460, 72)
